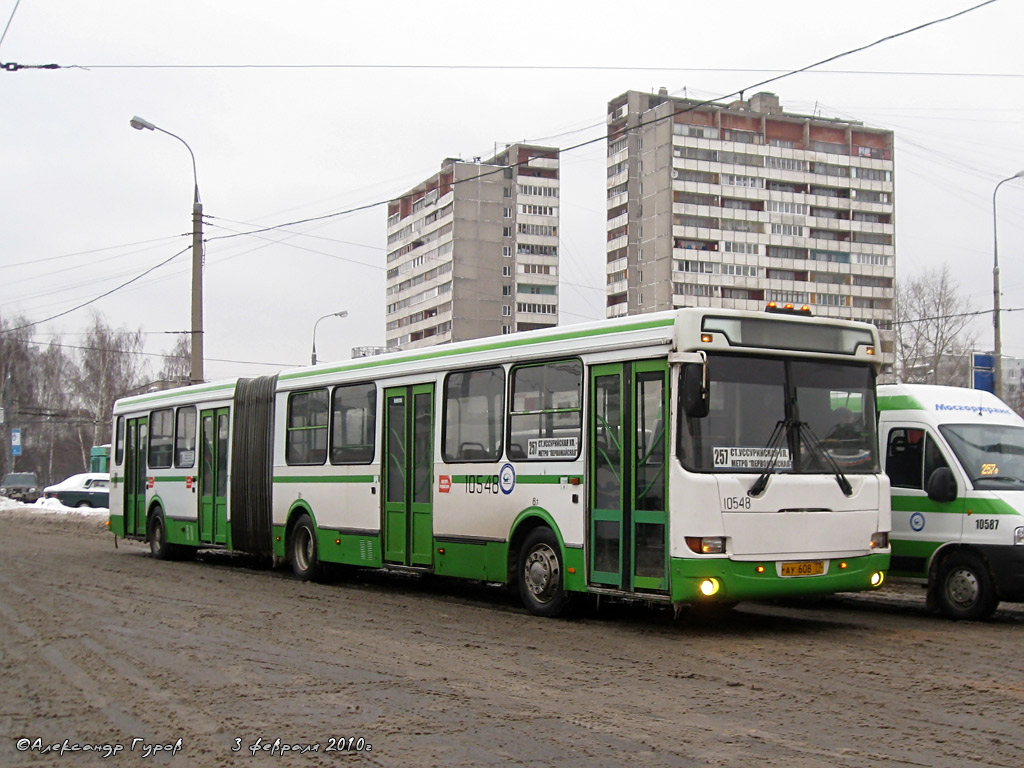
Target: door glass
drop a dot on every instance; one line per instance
(650, 441)
(650, 550)
(396, 449)
(206, 478)
(607, 443)
(422, 453)
(222, 454)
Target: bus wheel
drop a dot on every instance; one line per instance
(965, 590)
(540, 574)
(158, 546)
(303, 551)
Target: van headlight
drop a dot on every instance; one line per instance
(1018, 535)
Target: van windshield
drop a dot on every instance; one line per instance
(992, 455)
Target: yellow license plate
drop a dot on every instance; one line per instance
(804, 568)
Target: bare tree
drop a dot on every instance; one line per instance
(933, 336)
(110, 368)
(177, 366)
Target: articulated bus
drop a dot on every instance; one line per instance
(684, 457)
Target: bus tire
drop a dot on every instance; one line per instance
(157, 535)
(540, 574)
(964, 588)
(303, 551)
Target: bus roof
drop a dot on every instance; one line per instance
(657, 332)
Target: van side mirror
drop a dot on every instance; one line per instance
(696, 394)
(941, 486)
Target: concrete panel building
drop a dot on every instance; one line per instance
(473, 250)
(735, 205)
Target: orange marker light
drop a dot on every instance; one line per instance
(760, 569)
(707, 338)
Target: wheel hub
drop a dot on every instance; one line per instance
(962, 587)
(541, 572)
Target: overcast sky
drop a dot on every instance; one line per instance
(368, 99)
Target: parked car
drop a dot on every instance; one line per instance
(20, 486)
(91, 489)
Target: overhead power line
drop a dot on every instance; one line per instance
(694, 106)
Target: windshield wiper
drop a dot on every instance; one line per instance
(996, 478)
(815, 444)
(774, 444)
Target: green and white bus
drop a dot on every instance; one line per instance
(673, 457)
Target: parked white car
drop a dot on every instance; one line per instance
(90, 489)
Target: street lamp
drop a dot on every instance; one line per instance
(997, 342)
(343, 313)
(196, 374)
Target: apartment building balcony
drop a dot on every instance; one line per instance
(550, 163)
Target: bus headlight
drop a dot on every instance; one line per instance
(706, 545)
(877, 578)
(880, 540)
(1018, 535)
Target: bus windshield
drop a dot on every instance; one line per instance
(991, 454)
(826, 422)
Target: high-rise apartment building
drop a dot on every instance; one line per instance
(473, 250)
(735, 205)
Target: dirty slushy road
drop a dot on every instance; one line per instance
(202, 663)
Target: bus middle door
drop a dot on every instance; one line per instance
(408, 475)
(213, 476)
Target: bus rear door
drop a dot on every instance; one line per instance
(213, 476)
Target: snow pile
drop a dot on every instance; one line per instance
(51, 507)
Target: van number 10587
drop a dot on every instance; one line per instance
(986, 524)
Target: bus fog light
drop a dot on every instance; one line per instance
(709, 587)
(1018, 535)
(880, 540)
(877, 578)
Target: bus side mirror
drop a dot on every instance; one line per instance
(941, 486)
(696, 391)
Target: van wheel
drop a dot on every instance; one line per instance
(303, 550)
(540, 574)
(965, 589)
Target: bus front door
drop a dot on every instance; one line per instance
(135, 480)
(408, 475)
(213, 476)
(628, 524)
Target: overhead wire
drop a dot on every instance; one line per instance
(694, 106)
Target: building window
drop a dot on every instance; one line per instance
(506, 310)
(506, 251)
(508, 213)
(506, 271)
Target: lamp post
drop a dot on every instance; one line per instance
(997, 341)
(343, 313)
(196, 369)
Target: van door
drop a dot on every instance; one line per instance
(920, 525)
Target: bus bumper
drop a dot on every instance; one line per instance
(723, 580)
